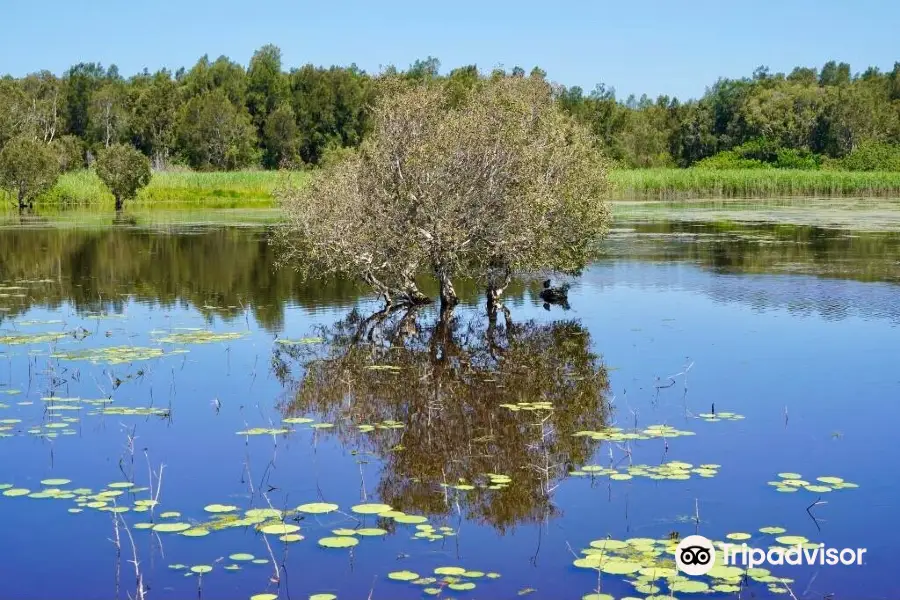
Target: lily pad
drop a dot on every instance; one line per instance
(317, 508)
(279, 529)
(341, 541)
(370, 509)
(403, 575)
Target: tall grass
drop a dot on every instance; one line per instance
(237, 189)
(254, 189)
(652, 184)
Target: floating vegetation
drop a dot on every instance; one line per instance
(617, 434)
(370, 509)
(219, 508)
(340, 541)
(240, 557)
(403, 575)
(720, 416)
(279, 529)
(675, 470)
(264, 431)
(113, 355)
(792, 482)
(649, 565)
(21, 339)
(199, 337)
(298, 342)
(317, 508)
(528, 406)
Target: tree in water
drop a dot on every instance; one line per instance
(124, 171)
(28, 168)
(485, 182)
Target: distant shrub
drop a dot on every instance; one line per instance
(788, 158)
(730, 159)
(871, 156)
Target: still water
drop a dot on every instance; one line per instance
(170, 370)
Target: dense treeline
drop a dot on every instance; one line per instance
(219, 115)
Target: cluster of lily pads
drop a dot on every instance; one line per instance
(675, 470)
(113, 355)
(617, 434)
(793, 482)
(648, 564)
(457, 579)
(528, 406)
(490, 481)
(362, 427)
(720, 416)
(55, 421)
(197, 336)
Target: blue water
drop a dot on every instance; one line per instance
(810, 361)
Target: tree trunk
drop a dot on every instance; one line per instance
(449, 299)
(119, 203)
(494, 292)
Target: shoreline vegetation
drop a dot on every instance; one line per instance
(255, 189)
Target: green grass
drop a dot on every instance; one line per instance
(254, 189)
(238, 189)
(653, 184)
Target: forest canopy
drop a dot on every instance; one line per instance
(222, 115)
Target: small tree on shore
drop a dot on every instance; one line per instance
(123, 170)
(28, 168)
(498, 181)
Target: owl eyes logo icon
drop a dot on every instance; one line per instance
(695, 555)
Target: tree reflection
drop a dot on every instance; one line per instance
(446, 381)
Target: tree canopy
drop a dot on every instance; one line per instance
(124, 171)
(275, 115)
(27, 168)
(482, 184)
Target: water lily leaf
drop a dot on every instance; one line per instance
(201, 569)
(219, 508)
(323, 597)
(264, 597)
(340, 541)
(55, 482)
(403, 575)
(617, 566)
(279, 529)
(409, 519)
(462, 587)
(291, 537)
(171, 527)
(370, 509)
(317, 508)
(689, 587)
(791, 540)
(738, 536)
(241, 556)
(449, 571)
(790, 475)
(14, 492)
(772, 530)
(195, 532)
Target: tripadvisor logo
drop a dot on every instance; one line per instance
(696, 555)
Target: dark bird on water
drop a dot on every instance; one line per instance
(555, 295)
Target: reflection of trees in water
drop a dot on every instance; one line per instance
(765, 248)
(219, 270)
(445, 381)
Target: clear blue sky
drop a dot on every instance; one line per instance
(648, 46)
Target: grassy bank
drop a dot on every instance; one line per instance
(653, 184)
(239, 189)
(254, 189)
